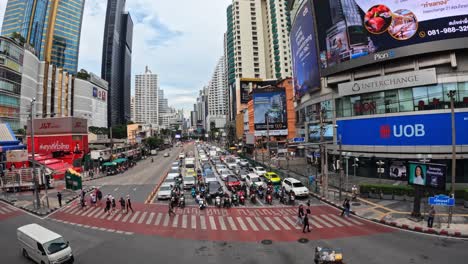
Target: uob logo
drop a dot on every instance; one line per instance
(398, 131)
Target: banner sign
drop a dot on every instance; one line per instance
(442, 200)
(59, 125)
(428, 175)
(16, 155)
(270, 114)
(407, 130)
(247, 85)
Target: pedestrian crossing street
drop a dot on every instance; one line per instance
(234, 220)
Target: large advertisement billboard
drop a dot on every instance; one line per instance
(428, 175)
(247, 85)
(354, 33)
(304, 52)
(406, 130)
(270, 116)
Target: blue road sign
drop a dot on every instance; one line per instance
(317, 154)
(299, 140)
(311, 179)
(442, 200)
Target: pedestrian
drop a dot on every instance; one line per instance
(113, 204)
(306, 222)
(344, 207)
(300, 215)
(93, 199)
(82, 202)
(99, 195)
(171, 209)
(430, 218)
(347, 207)
(59, 197)
(129, 204)
(108, 205)
(122, 204)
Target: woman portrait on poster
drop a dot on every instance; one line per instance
(418, 175)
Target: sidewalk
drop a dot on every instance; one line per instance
(394, 212)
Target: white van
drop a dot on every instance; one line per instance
(43, 246)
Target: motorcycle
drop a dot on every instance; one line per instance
(242, 199)
(193, 192)
(201, 204)
(235, 200)
(269, 199)
(260, 193)
(209, 198)
(253, 198)
(173, 201)
(218, 201)
(227, 202)
(182, 202)
(292, 199)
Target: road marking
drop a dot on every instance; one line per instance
(116, 189)
(331, 220)
(318, 219)
(158, 219)
(68, 209)
(7, 210)
(262, 224)
(142, 218)
(134, 189)
(314, 223)
(270, 221)
(283, 224)
(150, 218)
(118, 217)
(175, 221)
(166, 220)
(184, 221)
(202, 222)
(231, 223)
(104, 215)
(291, 222)
(83, 211)
(354, 221)
(74, 210)
(134, 217)
(92, 212)
(119, 232)
(339, 219)
(1, 211)
(251, 223)
(102, 229)
(212, 222)
(126, 217)
(194, 222)
(101, 211)
(221, 223)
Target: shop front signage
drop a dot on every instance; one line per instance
(59, 125)
(389, 82)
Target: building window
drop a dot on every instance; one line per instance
(406, 100)
(420, 97)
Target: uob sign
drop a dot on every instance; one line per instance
(398, 131)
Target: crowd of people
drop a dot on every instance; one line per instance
(95, 198)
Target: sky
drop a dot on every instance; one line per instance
(181, 41)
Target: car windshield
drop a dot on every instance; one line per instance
(232, 179)
(255, 179)
(169, 181)
(224, 172)
(55, 246)
(165, 188)
(174, 171)
(298, 184)
(189, 179)
(260, 169)
(214, 186)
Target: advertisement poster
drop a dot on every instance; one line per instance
(248, 85)
(352, 29)
(270, 112)
(429, 175)
(407, 130)
(398, 170)
(314, 133)
(304, 53)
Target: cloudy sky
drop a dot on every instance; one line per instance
(180, 40)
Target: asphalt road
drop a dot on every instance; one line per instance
(91, 245)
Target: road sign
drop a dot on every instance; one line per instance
(317, 154)
(299, 140)
(311, 179)
(442, 200)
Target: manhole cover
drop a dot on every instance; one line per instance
(303, 240)
(356, 204)
(267, 242)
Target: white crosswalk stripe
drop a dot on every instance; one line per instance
(158, 219)
(118, 217)
(262, 224)
(68, 209)
(82, 211)
(100, 212)
(330, 220)
(221, 223)
(202, 222)
(166, 220)
(314, 223)
(212, 222)
(175, 221)
(104, 215)
(142, 218)
(1, 211)
(282, 224)
(291, 222)
(194, 222)
(339, 219)
(74, 210)
(232, 223)
(241, 223)
(125, 219)
(184, 221)
(321, 221)
(92, 212)
(354, 221)
(150, 218)
(134, 217)
(251, 223)
(7, 210)
(270, 221)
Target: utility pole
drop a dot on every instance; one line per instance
(36, 184)
(451, 94)
(341, 166)
(268, 142)
(323, 155)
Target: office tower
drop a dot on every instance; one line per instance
(146, 98)
(116, 61)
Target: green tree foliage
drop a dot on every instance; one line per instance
(99, 130)
(82, 74)
(119, 131)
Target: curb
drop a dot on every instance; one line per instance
(155, 189)
(419, 229)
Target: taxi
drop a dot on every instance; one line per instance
(273, 177)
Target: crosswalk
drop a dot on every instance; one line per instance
(221, 223)
(7, 211)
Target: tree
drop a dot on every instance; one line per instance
(119, 131)
(99, 130)
(153, 142)
(82, 74)
(17, 36)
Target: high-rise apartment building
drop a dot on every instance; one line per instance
(146, 98)
(52, 27)
(256, 45)
(132, 108)
(116, 61)
(217, 97)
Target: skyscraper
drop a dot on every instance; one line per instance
(116, 61)
(146, 98)
(52, 27)
(217, 97)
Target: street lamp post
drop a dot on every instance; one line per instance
(348, 154)
(380, 164)
(451, 94)
(36, 184)
(341, 167)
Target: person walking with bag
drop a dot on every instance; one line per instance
(129, 204)
(300, 215)
(344, 207)
(305, 222)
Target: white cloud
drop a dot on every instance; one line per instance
(180, 40)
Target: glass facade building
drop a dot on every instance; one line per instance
(14, 15)
(116, 61)
(11, 64)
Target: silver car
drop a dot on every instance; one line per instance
(164, 192)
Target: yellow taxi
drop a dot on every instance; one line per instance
(190, 172)
(273, 177)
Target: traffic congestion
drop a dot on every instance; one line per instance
(211, 176)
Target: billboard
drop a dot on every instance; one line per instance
(314, 133)
(59, 125)
(247, 85)
(304, 53)
(404, 130)
(270, 116)
(398, 170)
(353, 33)
(428, 175)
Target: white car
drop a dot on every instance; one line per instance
(232, 166)
(175, 168)
(173, 173)
(175, 164)
(253, 178)
(220, 167)
(166, 154)
(243, 163)
(296, 186)
(260, 171)
(181, 156)
(189, 182)
(211, 178)
(164, 192)
(224, 173)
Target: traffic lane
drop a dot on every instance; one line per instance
(137, 192)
